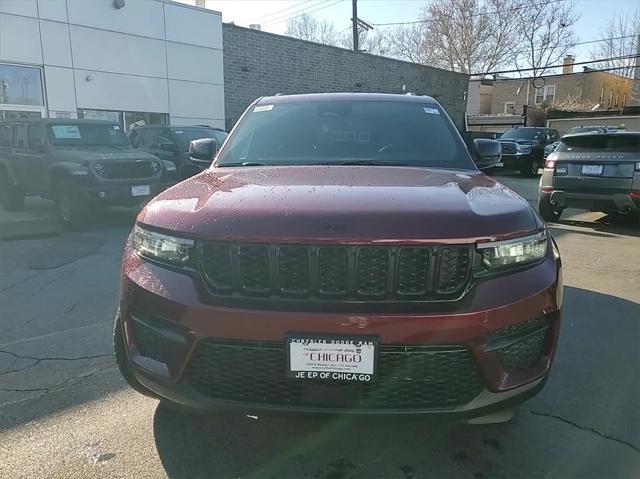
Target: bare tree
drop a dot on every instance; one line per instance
(619, 37)
(466, 36)
(546, 29)
(306, 27)
(407, 42)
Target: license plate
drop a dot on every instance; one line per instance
(332, 358)
(591, 170)
(499, 163)
(141, 190)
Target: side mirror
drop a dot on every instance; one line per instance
(487, 151)
(204, 149)
(168, 147)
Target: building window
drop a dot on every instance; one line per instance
(617, 98)
(126, 119)
(610, 99)
(601, 96)
(510, 107)
(546, 94)
(624, 100)
(20, 86)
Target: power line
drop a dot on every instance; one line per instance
(623, 57)
(295, 5)
(479, 14)
(300, 13)
(571, 45)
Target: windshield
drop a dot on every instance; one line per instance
(87, 134)
(523, 133)
(601, 143)
(187, 135)
(346, 132)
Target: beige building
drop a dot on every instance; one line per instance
(590, 89)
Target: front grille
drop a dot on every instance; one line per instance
(520, 346)
(371, 273)
(121, 170)
(427, 377)
(509, 148)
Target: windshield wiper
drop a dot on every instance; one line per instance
(363, 163)
(243, 163)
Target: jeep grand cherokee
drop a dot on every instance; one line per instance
(343, 253)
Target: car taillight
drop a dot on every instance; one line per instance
(550, 162)
(637, 165)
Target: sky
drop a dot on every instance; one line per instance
(272, 14)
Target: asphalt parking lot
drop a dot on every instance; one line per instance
(66, 413)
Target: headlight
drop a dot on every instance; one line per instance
(524, 149)
(98, 168)
(513, 252)
(163, 248)
(155, 166)
(169, 165)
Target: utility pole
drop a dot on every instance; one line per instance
(354, 22)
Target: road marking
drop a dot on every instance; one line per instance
(56, 333)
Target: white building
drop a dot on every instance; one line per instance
(152, 61)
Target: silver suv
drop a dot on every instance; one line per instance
(597, 171)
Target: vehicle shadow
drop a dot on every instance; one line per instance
(559, 433)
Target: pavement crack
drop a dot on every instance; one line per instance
(18, 283)
(37, 360)
(58, 386)
(585, 428)
(47, 283)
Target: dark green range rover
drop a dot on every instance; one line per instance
(597, 171)
(78, 164)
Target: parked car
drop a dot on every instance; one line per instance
(171, 143)
(77, 163)
(343, 254)
(598, 171)
(550, 148)
(523, 148)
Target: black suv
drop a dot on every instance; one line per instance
(523, 148)
(78, 163)
(171, 143)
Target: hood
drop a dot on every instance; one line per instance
(519, 141)
(344, 203)
(102, 154)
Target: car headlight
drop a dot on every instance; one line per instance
(524, 149)
(519, 251)
(155, 166)
(161, 247)
(98, 168)
(169, 166)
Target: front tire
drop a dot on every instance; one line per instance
(530, 168)
(547, 210)
(122, 360)
(72, 211)
(11, 196)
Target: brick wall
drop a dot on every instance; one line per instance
(259, 64)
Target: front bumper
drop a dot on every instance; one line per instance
(182, 315)
(516, 161)
(594, 201)
(120, 194)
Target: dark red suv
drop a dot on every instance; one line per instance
(343, 253)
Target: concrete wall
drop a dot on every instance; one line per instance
(150, 56)
(258, 63)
